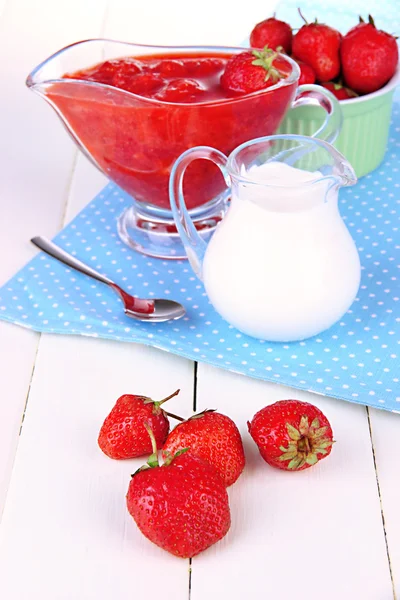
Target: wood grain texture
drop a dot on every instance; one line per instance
(65, 523)
(34, 178)
(301, 534)
(17, 359)
(385, 431)
(86, 183)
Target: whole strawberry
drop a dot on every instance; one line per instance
(273, 33)
(369, 57)
(123, 434)
(291, 435)
(318, 45)
(338, 90)
(213, 437)
(250, 71)
(181, 506)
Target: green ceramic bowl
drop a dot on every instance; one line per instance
(364, 135)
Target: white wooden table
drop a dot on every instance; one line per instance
(331, 532)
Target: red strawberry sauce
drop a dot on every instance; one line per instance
(169, 103)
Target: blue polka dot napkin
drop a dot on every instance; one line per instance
(356, 360)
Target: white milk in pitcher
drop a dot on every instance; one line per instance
(282, 266)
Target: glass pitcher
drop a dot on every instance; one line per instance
(282, 265)
(135, 140)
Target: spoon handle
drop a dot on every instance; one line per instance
(58, 253)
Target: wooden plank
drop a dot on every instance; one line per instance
(385, 429)
(36, 158)
(17, 357)
(306, 535)
(86, 183)
(65, 524)
(176, 22)
(2, 6)
(82, 515)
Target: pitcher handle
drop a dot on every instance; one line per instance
(316, 94)
(194, 245)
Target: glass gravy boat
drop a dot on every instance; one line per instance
(282, 265)
(134, 140)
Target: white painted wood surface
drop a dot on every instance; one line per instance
(34, 179)
(385, 430)
(65, 533)
(289, 525)
(65, 523)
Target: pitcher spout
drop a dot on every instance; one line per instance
(345, 172)
(342, 170)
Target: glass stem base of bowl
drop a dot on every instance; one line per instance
(154, 233)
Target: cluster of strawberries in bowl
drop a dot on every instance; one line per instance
(182, 505)
(358, 63)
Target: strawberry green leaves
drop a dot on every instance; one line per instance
(265, 59)
(291, 435)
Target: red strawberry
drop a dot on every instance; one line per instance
(144, 84)
(250, 71)
(107, 71)
(291, 435)
(318, 46)
(123, 434)
(181, 90)
(205, 66)
(369, 57)
(338, 90)
(307, 74)
(181, 506)
(213, 437)
(272, 33)
(169, 67)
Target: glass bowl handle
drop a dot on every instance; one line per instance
(194, 245)
(316, 95)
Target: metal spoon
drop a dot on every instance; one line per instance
(156, 310)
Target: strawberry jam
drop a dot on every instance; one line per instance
(134, 116)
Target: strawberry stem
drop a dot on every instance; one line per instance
(202, 413)
(265, 59)
(153, 459)
(168, 458)
(307, 444)
(173, 416)
(159, 402)
(302, 16)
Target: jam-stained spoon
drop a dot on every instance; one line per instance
(157, 310)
